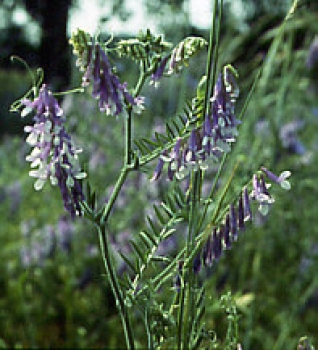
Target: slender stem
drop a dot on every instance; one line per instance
(128, 144)
(210, 66)
(186, 304)
(119, 184)
(142, 77)
(180, 333)
(212, 59)
(104, 246)
(217, 40)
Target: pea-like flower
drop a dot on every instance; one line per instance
(261, 195)
(54, 155)
(159, 72)
(280, 180)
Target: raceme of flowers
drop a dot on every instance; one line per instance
(54, 155)
(174, 62)
(222, 237)
(112, 95)
(183, 51)
(207, 143)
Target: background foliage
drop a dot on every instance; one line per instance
(56, 295)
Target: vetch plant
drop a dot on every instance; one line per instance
(201, 138)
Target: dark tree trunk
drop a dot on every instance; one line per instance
(54, 49)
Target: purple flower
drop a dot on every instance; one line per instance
(224, 122)
(158, 74)
(158, 169)
(54, 155)
(240, 214)
(246, 205)
(178, 278)
(261, 195)
(280, 180)
(175, 161)
(216, 244)
(197, 262)
(207, 252)
(213, 248)
(107, 89)
(233, 222)
(192, 155)
(226, 233)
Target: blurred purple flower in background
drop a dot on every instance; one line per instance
(54, 155)
(14, 192)
(289, 138)
(40, 244)
(312, 58)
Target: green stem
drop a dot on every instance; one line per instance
(104, 246)
(181, 314)
(128, 149)
(142, 78)
(212, 58)
(211, 63)
(128, 144)
(187, 297)
(119, 184)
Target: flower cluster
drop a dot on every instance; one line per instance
(54, 155)
(111, 94)
(183, 51)
(206, 143)
(222, 237)
(177, 59)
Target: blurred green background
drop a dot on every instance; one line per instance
(52, 289)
